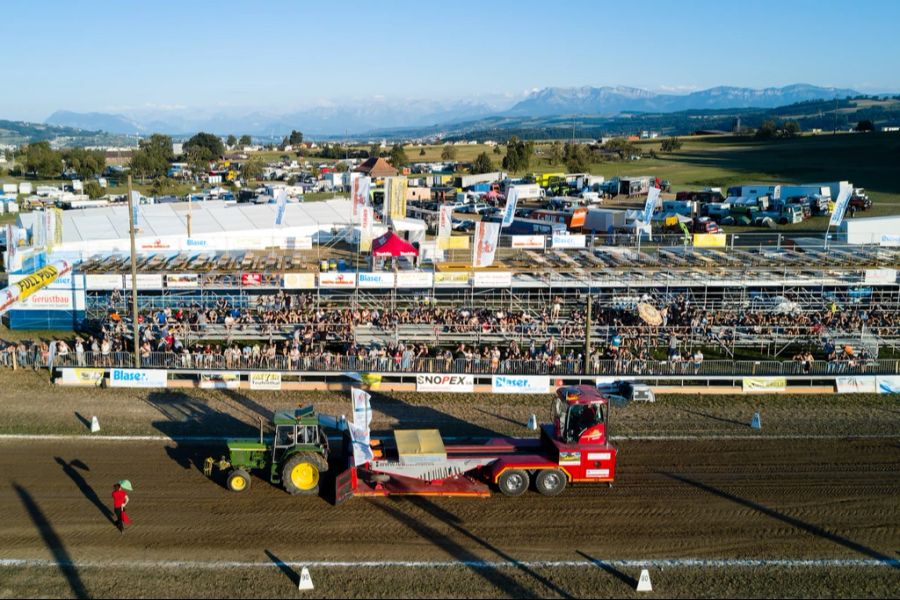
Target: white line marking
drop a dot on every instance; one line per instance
(188, 439)
(658, 563)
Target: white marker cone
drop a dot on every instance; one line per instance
(644, 584)
(755, 422)
(95, 425)
(532, 423)
(305, 580)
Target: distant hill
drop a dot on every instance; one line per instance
(110, 123)
(360, 118)
(610, 101)
(22, 132)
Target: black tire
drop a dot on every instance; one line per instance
(238, 481)
(550, 482)
(513, 482)
(301, 473)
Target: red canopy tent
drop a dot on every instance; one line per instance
(391, 244)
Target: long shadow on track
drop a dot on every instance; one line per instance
(53, 542)
(792, 521)
(394, 508)
(71, 469)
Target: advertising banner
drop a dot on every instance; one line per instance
(569, 240)
(445, 383)
(451, 279)
(492, 279)
(445, 221)
(299, 281)
(855, 385)
(138, 378)
(883, 276)
(486, 236)
(414, 279)
(709, 240)
(251, 279)
(298, 243)
(764, 384)
(220, 380)
(183, 280)
(68, 300)
(367, 222)
(375, 280)
(265, 381)
(362, 407)
(509, 211)
(103, 282)
(522, 242)
(337, 280)
(520, 384)
(145, 281)
(359, 195)
(888, 384)
(86, 377)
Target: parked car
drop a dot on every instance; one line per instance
(476, 209)
(462, 224)
(630, 390)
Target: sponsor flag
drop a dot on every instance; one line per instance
(445, 222)
(395, 197)
(486, 236)
(135, 207)
(11, 247)
(280, 206)
(840, 205)
(367, 216)
(359, 191)
(509, 212)
(362, 449)
(362, 408)
(652, 197)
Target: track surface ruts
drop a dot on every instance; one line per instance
(772, 499)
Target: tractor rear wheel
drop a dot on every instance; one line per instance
(238, 480)
(550, 482)
(300, 474)
(513, 482)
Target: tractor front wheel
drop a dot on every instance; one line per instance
(513, 482)
(301, 473)
(550, 482)
(238, 480)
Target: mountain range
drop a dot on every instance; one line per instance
(360, 118)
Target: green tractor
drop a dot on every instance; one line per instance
(294, 459)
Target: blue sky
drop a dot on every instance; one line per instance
(130, 56)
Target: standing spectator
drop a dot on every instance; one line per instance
(698, 361)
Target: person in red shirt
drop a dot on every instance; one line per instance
(120, 501)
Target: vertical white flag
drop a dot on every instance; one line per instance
(11, 247)
(840, 205)
(135, 207)
(362, 407)
(359, 195)
(650, 206)
(509, 212)
(280, 206)
(445, 221)
(367, 216)
(486, 237)
(362, 449)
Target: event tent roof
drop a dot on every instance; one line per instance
(391, 244)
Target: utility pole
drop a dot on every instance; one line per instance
(587, 334)
(134, 291)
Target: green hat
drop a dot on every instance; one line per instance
(126, 485)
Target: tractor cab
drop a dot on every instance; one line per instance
(293, 428)
(580, 415)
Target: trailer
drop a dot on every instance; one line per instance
(573, 448)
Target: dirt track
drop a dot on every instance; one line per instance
(742, 499)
